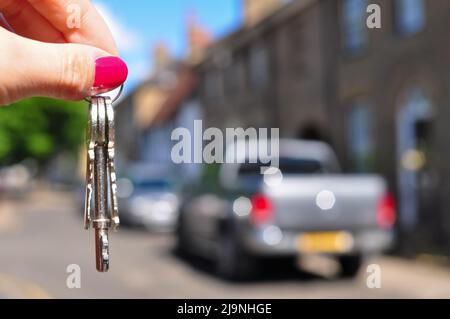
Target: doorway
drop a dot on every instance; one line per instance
(414, 125)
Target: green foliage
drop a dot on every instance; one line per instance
(40, 128)
(210, 176)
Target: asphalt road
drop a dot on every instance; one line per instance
(42, 234)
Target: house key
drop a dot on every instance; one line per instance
(101, 209)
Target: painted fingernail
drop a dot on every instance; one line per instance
(110, 72)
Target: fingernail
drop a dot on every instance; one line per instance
(110, 72)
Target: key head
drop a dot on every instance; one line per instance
(102, 122)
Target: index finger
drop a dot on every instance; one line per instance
(78, 21)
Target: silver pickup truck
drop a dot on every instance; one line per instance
(239, 217)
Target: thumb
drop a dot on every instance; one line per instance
(66, 71)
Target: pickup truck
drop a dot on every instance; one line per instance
(240, 218)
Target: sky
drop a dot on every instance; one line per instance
(139, 24)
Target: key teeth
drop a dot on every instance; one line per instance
(102, 250)
(115, 223)
(88, 225)
(105, 252)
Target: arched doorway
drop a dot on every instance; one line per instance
(413, 124)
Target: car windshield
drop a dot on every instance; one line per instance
(287, 166)
(153, 184)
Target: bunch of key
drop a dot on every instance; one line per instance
(101, 210)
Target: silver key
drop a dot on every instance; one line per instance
(101, 208)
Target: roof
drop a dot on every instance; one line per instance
(244, 34)
(157, 100)
(183, 89)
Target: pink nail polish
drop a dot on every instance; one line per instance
(110, 72)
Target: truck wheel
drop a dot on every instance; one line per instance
(181, 243)
(350, 266)
(232, 262)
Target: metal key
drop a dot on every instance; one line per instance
(101, 208)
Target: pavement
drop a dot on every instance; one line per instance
(42, 234)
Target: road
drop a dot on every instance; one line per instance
(42, 234)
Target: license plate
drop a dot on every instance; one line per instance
(325, 242)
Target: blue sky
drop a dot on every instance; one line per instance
(138, 24)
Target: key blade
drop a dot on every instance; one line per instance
(101, 250)
(91, 134)
(110, 130)
(101, 221)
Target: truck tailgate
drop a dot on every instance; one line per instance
(298, 198)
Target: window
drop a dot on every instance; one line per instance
(410, 16)
(354, 17)
(259, 67)
(297, 47)
(287, 166)
(214, 84)
(360, 137)
(234, 77)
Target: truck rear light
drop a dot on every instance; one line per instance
(386, 212)
(262, 209)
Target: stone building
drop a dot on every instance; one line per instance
(380, 97)
(147, 116)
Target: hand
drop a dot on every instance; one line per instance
(44, 53)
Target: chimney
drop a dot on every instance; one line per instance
(161, 56)
(256, 10)
(198, 38)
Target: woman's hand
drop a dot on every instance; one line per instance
(46, 51)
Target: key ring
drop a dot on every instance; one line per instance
(89, 99)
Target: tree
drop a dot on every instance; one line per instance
(40, 128)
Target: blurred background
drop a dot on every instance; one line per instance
(369, 101)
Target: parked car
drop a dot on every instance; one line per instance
(149, 202)
(239, 217)
(15, 181)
